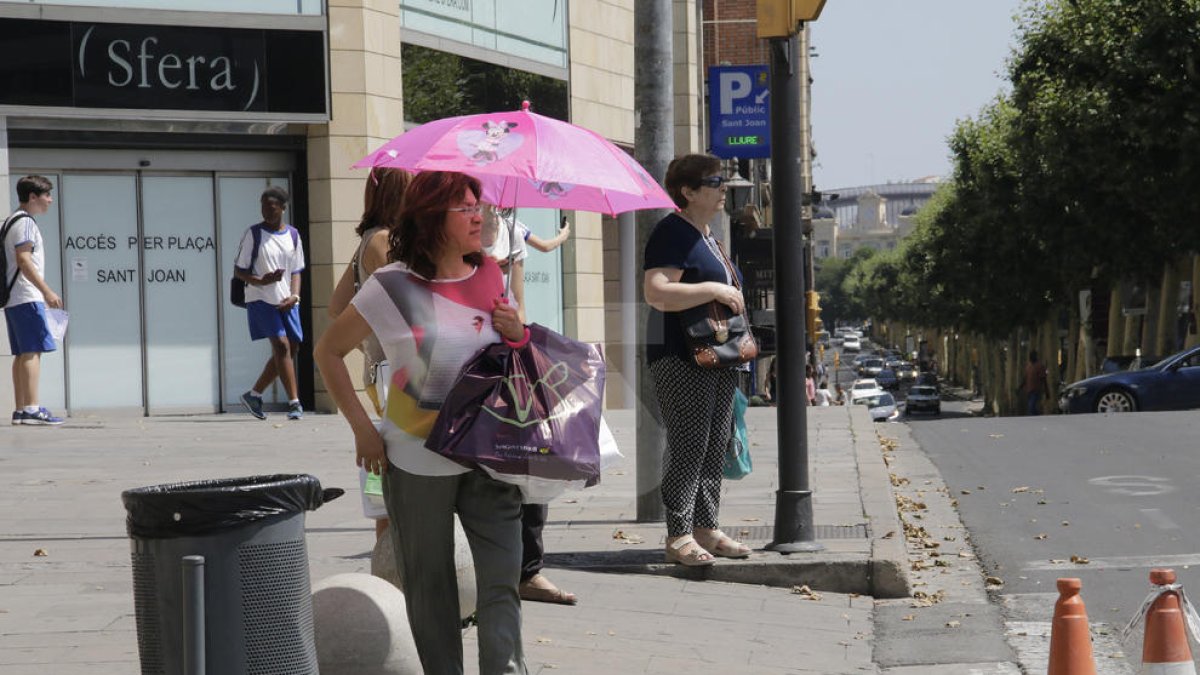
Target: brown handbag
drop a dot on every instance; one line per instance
(716, 336)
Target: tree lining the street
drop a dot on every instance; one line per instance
(1080, 178)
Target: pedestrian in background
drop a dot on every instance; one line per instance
(270, 262)
(436, 305)
(29, 296)
(504, 239)
(839, 395)
(823, 397)
(1035, 384)
(810, 385)
(684, 268)
(383, 201)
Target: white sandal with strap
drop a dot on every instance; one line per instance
(695, 557)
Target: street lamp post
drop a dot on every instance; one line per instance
(790, 157)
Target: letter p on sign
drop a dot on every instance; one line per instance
(733, 85)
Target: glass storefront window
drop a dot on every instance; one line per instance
(439, 84)
(534, 29)
(302, 7)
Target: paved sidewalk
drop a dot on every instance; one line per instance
(66, 600)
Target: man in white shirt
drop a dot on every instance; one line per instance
(270, 260)
(29, 295)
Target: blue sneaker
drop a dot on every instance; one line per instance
(295, 412)
(41, 418)
(18, 416)
(254, 405)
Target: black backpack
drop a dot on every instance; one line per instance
(8, 280)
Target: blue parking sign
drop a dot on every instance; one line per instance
(739, 111)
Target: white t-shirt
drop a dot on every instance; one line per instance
(824, 397)
(428, 330)
(275, 252)
(24, 231)
(497, 246)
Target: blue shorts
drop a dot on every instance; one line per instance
(27, 328)
(266, 321)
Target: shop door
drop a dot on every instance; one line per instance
(180, 292)
(102, 284)
(146, 262)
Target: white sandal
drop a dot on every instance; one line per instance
(695, 557)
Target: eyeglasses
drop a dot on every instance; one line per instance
(469, 210)
(713, 181)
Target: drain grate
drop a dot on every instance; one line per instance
(766, 533)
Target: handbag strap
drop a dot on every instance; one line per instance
(728, 264)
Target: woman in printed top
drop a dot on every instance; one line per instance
(685, 267)
(432, 308)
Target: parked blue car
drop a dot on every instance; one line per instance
(1171, 384)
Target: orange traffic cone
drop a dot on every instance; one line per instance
(1165, 649)
(1070, 642)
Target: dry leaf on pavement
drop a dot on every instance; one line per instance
(40, 553)
(993, 582)
(805, 592)
(1023, 488)
(1079, 560)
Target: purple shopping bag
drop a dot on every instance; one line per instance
(528, 416)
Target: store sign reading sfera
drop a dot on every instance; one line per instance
(166, 62)
(145, 64)
(184, 72)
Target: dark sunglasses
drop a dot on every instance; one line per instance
(713, 181)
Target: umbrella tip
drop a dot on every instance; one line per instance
(524, 106)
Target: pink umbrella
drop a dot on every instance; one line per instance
(527, 160)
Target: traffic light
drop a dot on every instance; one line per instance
(812, 314)
(781, 18)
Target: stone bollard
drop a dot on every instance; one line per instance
(361, 627)
(385, 566)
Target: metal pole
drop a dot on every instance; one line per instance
(654, 146)
(193, 615)
(629, 305)
(793, 500)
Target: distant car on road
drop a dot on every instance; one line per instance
(881, 406)
(887, 379)
(923, 398)
(906, 371)
(864, 387)
(1171, 384)
(851, 344)
(870, 367)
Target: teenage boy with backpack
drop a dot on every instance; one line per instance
(270, 260)
(26, 296)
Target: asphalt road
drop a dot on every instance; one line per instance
(1116, 492)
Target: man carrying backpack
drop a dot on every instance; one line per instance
(26, 296)
(270, 259)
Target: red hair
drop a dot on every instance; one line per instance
(422, 229)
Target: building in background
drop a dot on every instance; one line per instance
(161, 121)
(870, 216)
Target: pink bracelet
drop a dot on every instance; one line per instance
(521, 343)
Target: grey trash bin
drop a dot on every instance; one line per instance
(257, 597)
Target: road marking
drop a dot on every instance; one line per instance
(1131, 562)
(1159, 519)
(1134, 486)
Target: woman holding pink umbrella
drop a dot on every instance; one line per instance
(685, 267)
(432, 308)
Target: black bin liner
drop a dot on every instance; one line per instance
(197, 508)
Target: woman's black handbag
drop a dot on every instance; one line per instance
(716, 336)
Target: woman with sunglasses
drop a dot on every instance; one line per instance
(685, 267)
(432, 308)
